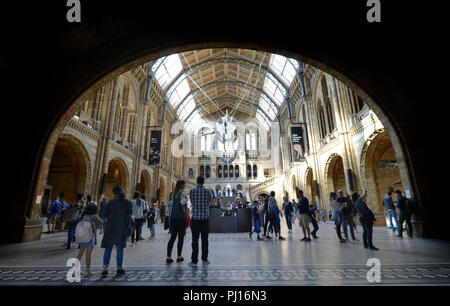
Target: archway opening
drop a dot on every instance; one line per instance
(115, 176)
(381, 169)
(67, 173)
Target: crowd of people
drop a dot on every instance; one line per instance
(121, 220)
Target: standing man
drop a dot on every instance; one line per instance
(389, 206)
(347, 214)
(53, 211)
(288, 212)
(200, 199)
(337, 216)
(304, 214)
(405, 214)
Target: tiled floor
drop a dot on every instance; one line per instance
(236, 260)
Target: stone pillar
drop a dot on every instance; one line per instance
(109, 130)
(342, 132)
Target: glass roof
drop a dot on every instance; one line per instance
(186, 108)
(284, 67)
(263, 119)
(167, 68)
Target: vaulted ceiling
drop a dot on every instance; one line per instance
(201, 84)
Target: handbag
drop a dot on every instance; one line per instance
(70, 214)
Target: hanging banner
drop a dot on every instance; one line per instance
(155, 148)
(298, 144)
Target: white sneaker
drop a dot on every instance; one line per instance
(192, 264)
(205, 262)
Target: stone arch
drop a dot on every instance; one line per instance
(145, 183)
(108, 69)
(117, 174)
(379, 168)
(334, 174)
(162, 189)
(70, 167)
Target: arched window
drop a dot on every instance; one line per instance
(250, 140)
(236, 171)
(219, 171)
(249, 171)
(225, 171)
(231, 170)
(202, 170)
(208, 171)
(255, 171)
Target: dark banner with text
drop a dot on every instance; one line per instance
(298, 144)
(155, 148)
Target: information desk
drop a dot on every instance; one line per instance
(221, 223)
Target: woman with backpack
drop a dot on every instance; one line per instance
(178, 221)
(86, 234)
(117, 229)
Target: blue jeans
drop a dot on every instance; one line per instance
(367, 232)
(392, 215)
(256, 224)
(119, 256)
(289, 221)
(71, 230)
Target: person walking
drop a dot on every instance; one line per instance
(266, 218)
(304, 215)
(89, 200)
(366, 217)
(389, 206)
(101, 213)
(288, 212)
(86, 234)
(274, 215)
(314, 220)
(75, 211)
(144, 212)
(137, 208)
(151, 220)
(405, 214)
(337, 215)
(346, 214)
(256, 220)
(200, 200)
(64, 206)
(54, 210)
(323, 216)
(117, 229)
(162, 212)
(178, 220)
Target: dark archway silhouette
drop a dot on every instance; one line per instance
(73, 61)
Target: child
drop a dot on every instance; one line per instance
(89, 222)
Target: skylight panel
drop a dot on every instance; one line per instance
(271, 88)
(267, 106)
(284, 67)
(179, 92)
(168, 69)
(186, 108)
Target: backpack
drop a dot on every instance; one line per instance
(83, 232)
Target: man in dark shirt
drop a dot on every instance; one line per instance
(347, 212)
(304, 214)
(405, 214)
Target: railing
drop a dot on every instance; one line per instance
(262, 185)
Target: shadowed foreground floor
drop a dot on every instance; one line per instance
(235, 260)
